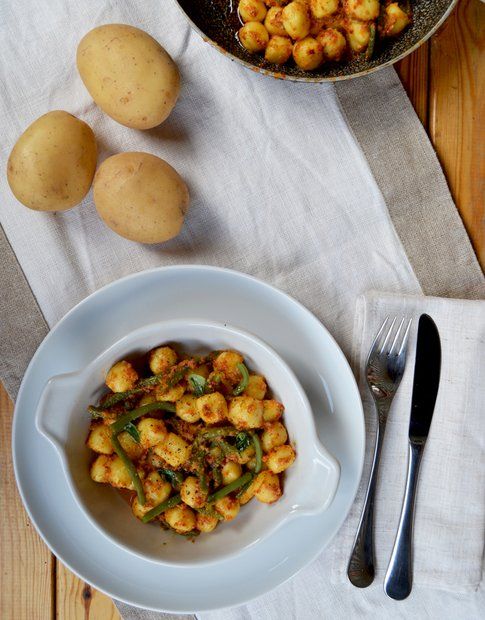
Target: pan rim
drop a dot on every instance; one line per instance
(320, 79)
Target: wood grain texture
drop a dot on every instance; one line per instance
(456, 112)
(27, 575)
(414, 73)
(78, 601)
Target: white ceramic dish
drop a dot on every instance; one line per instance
(309, 485)
(166, 294)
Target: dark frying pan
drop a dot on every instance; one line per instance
(217, 22)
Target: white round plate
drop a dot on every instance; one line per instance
(164, 294)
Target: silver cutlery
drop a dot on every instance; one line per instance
(384, 371)
(399, 577)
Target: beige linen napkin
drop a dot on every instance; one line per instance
(450, 508)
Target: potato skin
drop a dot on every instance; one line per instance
(140, 197)
(128, 74)
(51, 167)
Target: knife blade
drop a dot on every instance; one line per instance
(427, 370)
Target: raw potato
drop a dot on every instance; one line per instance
(128, 74)
(140, 197)
(52, 164)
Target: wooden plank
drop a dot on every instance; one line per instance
(26, 563)
(456, 113)
(78, 601)
(414, 73)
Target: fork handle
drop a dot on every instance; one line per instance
(399, 577)
(361, 568)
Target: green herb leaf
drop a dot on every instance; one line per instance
(133, 431)
(174, 477)
(197, 383)
(243, 441)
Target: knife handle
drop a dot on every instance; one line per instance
(399, 577)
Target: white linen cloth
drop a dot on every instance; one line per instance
(449, 522)
(450, 506)
(280, 189)
(279, 186)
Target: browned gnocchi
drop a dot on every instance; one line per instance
(190, 439)
(314, 32)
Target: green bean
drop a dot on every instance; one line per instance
(229, 488)
(243, 384)
(372, 42)
(135, 478)
(258, 452)
(118, 397)
(124, 419)
(221, 431)
(97, 413)
(226, 448)
(207, 511)
(178, 375)
(244, 488)
(154, 512)
(217, 476)
(216, 454)
(203, 482)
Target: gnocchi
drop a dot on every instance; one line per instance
(313, 32)
(192, 442)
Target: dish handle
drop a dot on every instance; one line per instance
(324, 478)
(52, 419)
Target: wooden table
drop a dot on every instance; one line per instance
(443, 82)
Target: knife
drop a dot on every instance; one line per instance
(399, 577)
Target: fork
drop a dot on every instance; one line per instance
(384, 370)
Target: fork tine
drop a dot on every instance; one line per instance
(377, 340)
(388, 335)
(398, 331)
(405, 337)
